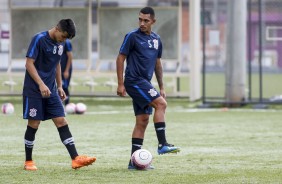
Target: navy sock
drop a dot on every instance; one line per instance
(68, 140)
(136, 145)
(160, 130)
(29, 138)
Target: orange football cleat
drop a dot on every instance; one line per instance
(82, 160)
(30, 166)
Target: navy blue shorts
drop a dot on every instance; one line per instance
(142, 94)
(42, 108)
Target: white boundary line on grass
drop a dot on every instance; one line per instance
(189, 111)
(108, 112)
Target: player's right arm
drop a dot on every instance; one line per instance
(126, 46)
(29, 65)
(120, 67)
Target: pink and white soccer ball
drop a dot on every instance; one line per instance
(142, 159)
(7, 108)
(80, 108)
(70, 108)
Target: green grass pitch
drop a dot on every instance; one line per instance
(217, 146)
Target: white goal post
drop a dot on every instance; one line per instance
(195, 50)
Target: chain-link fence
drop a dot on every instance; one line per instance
(262, 42)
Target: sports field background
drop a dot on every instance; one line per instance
(217, 145)
(214, 85)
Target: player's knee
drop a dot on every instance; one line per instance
(159, 103)
(34, 123)
(59, 122)
(142, 118)
(145, 120)
(162, 104)
(142, 122)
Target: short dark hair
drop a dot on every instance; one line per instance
(148, 10)
(67, 25)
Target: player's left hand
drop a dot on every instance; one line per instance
(162, 93)
(66, 74)
(121, 90)
(62, 93)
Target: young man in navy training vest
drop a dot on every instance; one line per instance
(43, 93)
(142, 50)
(66, 68)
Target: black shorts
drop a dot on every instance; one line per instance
(42, 108)
(142, 94)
